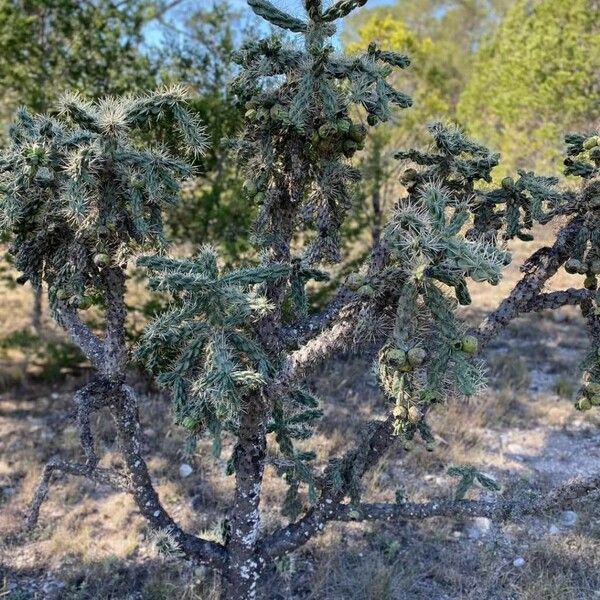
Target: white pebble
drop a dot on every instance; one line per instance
(518, 562)
(568, 518)
(185, 470)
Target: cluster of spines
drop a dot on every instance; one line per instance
(79, 195)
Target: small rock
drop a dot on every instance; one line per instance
(185, 470)
(559, 316)
(554, 530)
(479, 527)
(148, 432)
(568, 518)
(518, 562)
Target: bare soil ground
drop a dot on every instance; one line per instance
(91, 544)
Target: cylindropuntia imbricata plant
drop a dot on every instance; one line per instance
(80, 198)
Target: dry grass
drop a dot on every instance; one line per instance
(92, 545)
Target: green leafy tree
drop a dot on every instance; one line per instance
(537, 76)
(213, 208)
(50, 46)
(236, 344)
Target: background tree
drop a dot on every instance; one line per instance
(536, 76)
(198, 51)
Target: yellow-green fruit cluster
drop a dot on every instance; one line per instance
(412, 414)
(263, 113)
(409, 177)
(590, 396)
(402, 414)
(406, 361)
(591, 142)
(341, 136)
(589, 267)
(591, 146)
(254, 188)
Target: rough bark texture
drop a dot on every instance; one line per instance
(538, 269)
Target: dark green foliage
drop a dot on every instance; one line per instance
(50, 46)
(79, 196)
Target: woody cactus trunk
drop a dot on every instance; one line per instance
(234, 347)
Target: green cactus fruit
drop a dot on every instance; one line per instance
(84, 303)
(572, 266)
(250, 187)
(409, 176)
(469, 344)
(62, 295)
(372, 120)
(349, 148)
(396, 356)
(355, 281)
(260, 197)
(101, 260)
(583, 404)
(591, 142)
(592, 389)
(508, 183)
(416, 356)
(590, 282)
(357, 133)
(250, 114)
(414, 415)
(595, 267)
(326, 131)
(400, 412)
(405, 367)
(366, 291)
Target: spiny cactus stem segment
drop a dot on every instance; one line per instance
(538, 269)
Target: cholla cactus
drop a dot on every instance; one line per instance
(583, 160)
(82, 198)
(299, 129)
